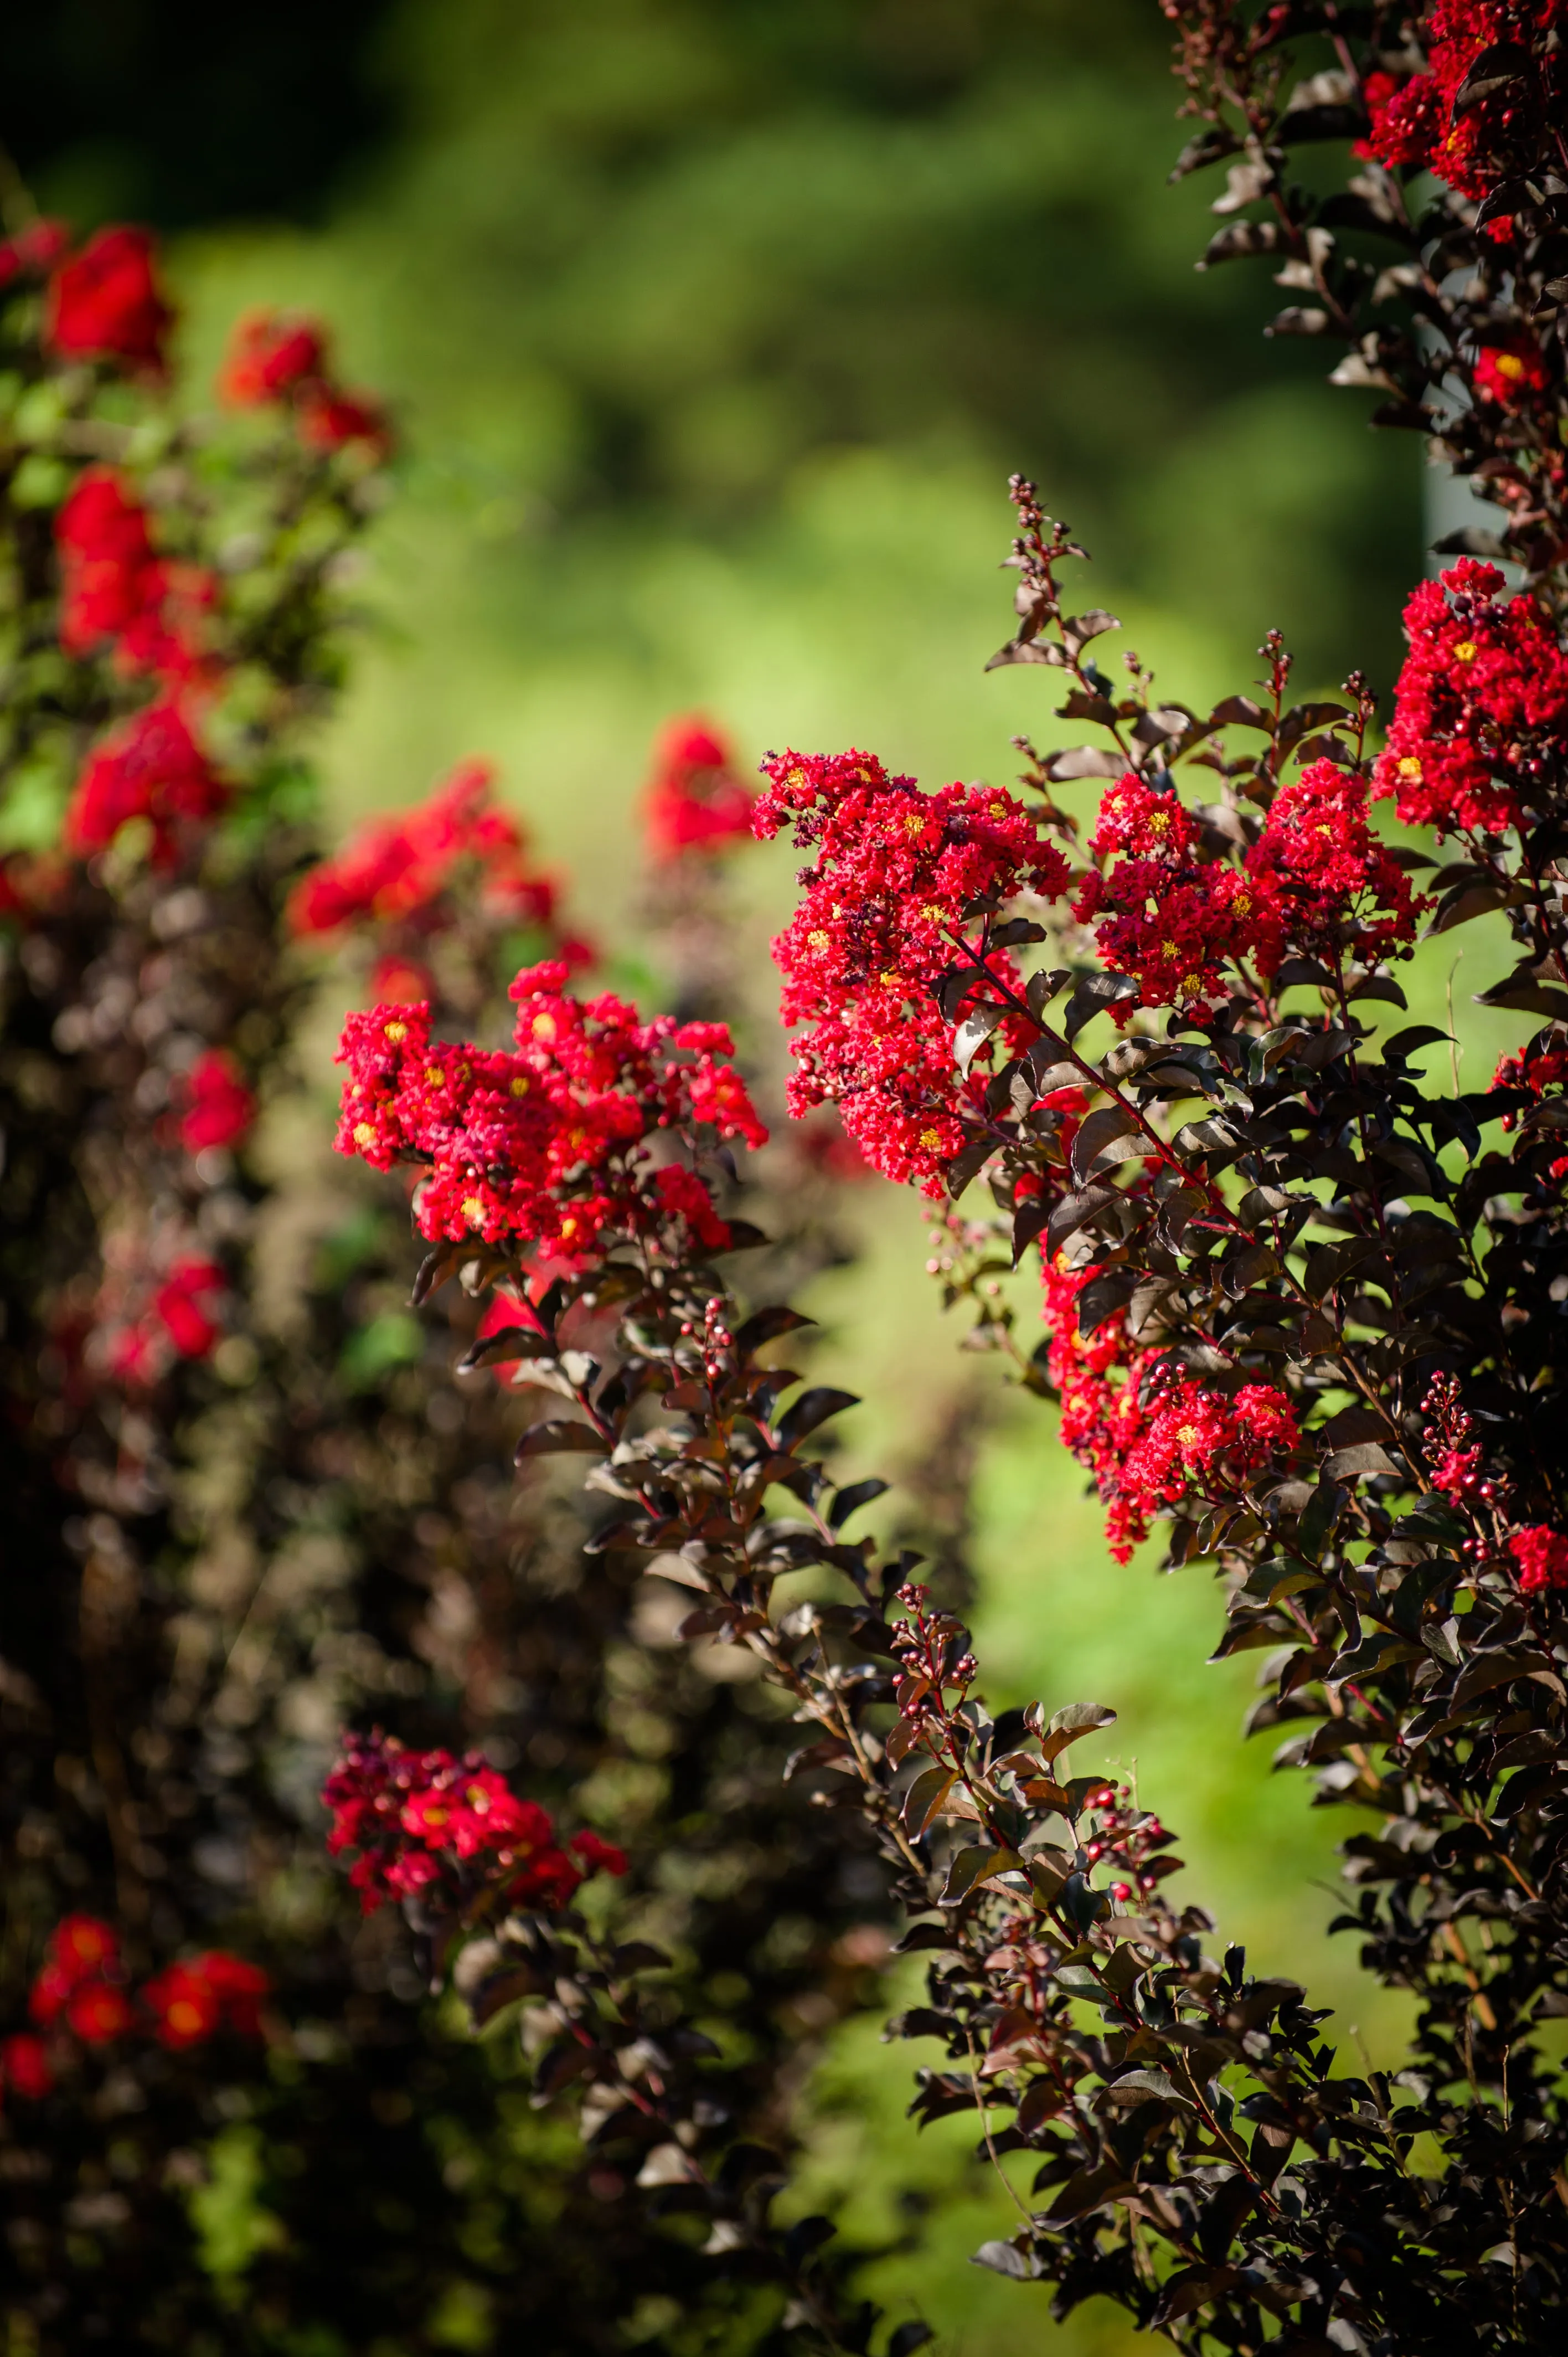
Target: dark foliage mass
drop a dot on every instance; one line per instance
(247, 1495)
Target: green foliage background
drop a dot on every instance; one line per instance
(714, 327)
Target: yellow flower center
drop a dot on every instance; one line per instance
(931, 1139)
(1191, 985)
(396, 1031)
(1467, 652)
(1187, 1435)
(364, 1133)
(1509, 365)
(473, 1209)
(518, 1085)
(818, 940)
(1411, 768)
(998, 809)
(914, 823)
(435, 1075)
(1158, 821)
(543, 1027)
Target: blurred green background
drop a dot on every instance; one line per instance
(713, 328)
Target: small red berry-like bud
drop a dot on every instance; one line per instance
(1122, 1892)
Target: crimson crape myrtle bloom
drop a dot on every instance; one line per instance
(179, 1301)
(1318, 882)
(80, 1948)
(160, 1300)
(1151, 1436)
(81, 1986)
(25, 2067)
(423, 1818)
(80, 1982)
(109, 575)
(545, 1144)
(1414, 120)
(1509, 374)
(1099, 1378)
(330, 419)
(1326, 885)
(695, 801)
(270, 355)
(1484, 683)
(1541, 1554)
(177, 1320)
(97, 2012)
(150, 768)
(217, 1108)
(895, 871)
(192, 2000)
(1164, 915)
(1540, 1065)
(395, 869)
(114, 591)
(281, 357)
(106, 304)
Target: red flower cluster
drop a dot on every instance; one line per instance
(695, 801)
(177, 1321)
(1457, 1460)
(24, 2066)
(1414, 118)
(1327, 886)
(116, 592)
(1542, 1065)
(1317, 881)
(277, 356)
(874, 936)
(1482, 680)
(1151, 1437)
(1541, 1554)
(547, 1144)
(191, 2001)
(106, 304)
(81, 1982)
(32, 251)
(421, 1817)
(81, 1988)
(150, 768)
(1508, 374)
(402, 870)
(1163, 915)
(217, 1107)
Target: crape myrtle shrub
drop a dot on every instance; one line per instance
(249, 1497)
(1303, 1301)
